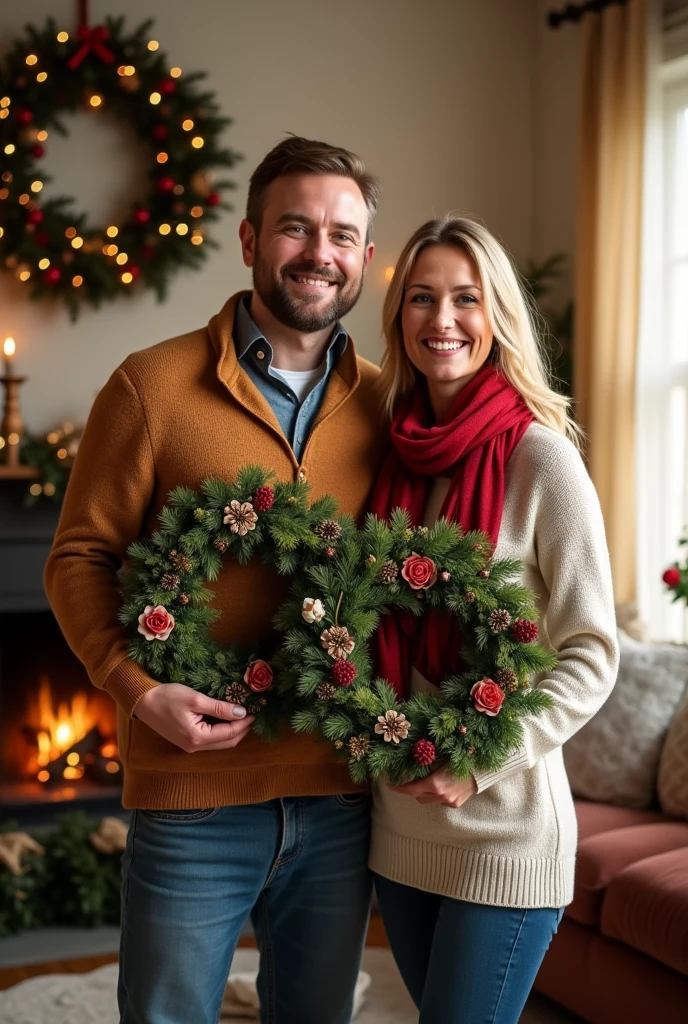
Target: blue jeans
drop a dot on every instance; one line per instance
(464, 963)
(297, 866)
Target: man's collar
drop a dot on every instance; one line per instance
(247, 334)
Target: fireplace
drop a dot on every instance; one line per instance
(58, 746)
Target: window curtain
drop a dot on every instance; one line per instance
(609, 215)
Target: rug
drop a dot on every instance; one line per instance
(91, 998)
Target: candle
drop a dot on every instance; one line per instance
(9, 349)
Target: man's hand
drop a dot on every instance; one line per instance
(440, 788)
(177, 712)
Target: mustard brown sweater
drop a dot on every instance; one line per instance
(173, 415)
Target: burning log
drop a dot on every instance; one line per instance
(89, 745)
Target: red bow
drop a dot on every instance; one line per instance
(92, 41)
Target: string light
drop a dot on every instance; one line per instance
(43, 264)
(2, 232)
(77, 280)
(9, 149)
(182, 229)
(32, 59)
(53, 437)
(122, 258)
(389, 273)
(112, 231)
(42, 135)
(77, 242)
(196, 211)
(96, 100)
(24, 275)
(127, 278)
(41, 76)
(49, 489)
(36, 186)
(13, 438)
(155, 98)
(5, 101)
(178, 190)
(162, 158)
(175, 72)
(110, 250)
(197, 142)
(4, 192)
(24, 198)
(35, 489)
(197, 239)
(62, 453)
(7, 176)
(122, 70)
(62, 37)
(164, 229)
(70, 233)
(2, 443)
(4, 113)
(153, 44)
(187, 125)
(43, 775)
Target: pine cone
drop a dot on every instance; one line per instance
(199, 514)
(329, 530)
(392, 726)
(170, 581)
(484, 574)
(507, 679)
(343, 673)
(220, 545)
(254, 709)
(424, 752)
(389, 572)
(469, 597)
(445, 576)
(326, 691)
(330, 552)
(499, 620)
(525, 631)
(338, 642)
(359, 746)
(180, 562)
(263, 499)
(237, 693)
(183, 598)
(371, 560)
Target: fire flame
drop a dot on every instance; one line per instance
(59, 730)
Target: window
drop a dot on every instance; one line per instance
(662, 421)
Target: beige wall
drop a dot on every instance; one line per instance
(455, 104)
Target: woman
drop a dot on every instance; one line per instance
(472, 877)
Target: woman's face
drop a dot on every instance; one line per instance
(446, 333)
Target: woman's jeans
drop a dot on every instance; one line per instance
(297, 866)
(464, 963)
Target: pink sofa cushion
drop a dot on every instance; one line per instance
(646, 907)
(594, 817)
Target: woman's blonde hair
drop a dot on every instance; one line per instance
(510, 313)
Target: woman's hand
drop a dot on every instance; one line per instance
(440, 788)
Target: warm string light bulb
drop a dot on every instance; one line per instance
(62, 37)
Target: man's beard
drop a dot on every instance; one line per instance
(298, 312)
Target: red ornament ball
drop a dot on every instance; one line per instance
(343, 673)
(165, 184)
(263, 499)
(141, 215)
(35, 217)
(38, 151)
(672, 577)
(212, 199)
(167, 86)
(424, 752)
(159, 132)
(24, 116)
(52, 275)
(525, 631)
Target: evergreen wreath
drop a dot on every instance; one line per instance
(49, 245)
(345, 579)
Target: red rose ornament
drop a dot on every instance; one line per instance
(487, 697)
(155, 623)
(419, 572)
(258, 676)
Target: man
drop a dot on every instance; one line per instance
(225, 824)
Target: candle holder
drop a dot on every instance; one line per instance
(12, 426)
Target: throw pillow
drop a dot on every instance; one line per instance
(673, 767)
(615, 757)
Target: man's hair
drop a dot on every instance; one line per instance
(296, 155)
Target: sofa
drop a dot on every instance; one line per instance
(621, 953)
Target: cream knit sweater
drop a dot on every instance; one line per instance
(513, 843)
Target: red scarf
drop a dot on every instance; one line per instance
(485, 423)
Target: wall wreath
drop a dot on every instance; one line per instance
(318, 671)
(51, 246)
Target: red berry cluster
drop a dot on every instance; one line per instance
(343, 673)
(263, 499)
(424, 752)
(525, 631)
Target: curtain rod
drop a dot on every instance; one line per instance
(574, 12)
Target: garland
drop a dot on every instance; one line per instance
(344, 580)
(50, 246)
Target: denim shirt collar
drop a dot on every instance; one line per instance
(249, 340)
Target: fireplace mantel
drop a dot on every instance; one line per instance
(26, 535)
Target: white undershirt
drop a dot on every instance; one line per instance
(301, 382)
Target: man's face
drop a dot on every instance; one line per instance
(310, 256)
